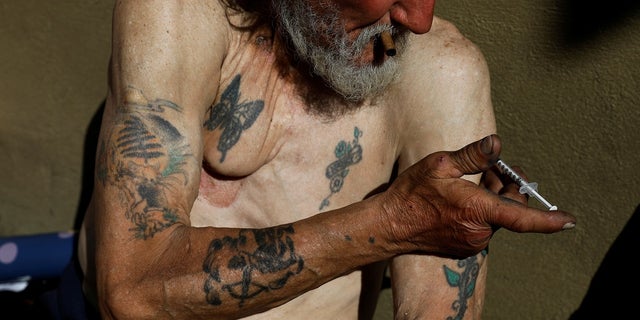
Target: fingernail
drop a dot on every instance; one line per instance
(568, 225)
(486, 145)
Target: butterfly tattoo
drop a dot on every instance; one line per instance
(232, 116)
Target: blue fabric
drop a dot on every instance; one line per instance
(40, 256)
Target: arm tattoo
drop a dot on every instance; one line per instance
(348, 154)
(232, 116)
(145, 157)
(268, 254)
(465, 281)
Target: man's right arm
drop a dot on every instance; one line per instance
(150, 263)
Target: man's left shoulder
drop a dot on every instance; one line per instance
(442, 59)
(444, 81)
(442, 48)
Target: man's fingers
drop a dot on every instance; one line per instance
(491, 180)
(511, 189)
(471, 159)
(478, 156)
(502, 185)
(519, 218)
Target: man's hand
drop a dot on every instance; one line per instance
(432, 209)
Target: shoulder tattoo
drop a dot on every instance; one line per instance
(144, 155)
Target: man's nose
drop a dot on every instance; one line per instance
(416, 15)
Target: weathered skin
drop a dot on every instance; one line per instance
(220, 195)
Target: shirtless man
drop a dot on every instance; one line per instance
(264, 159)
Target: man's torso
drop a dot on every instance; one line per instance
(290, 164)
(269, 161)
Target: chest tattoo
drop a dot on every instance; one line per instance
(348, 154)
(232, 116)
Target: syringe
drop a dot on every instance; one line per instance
(530, 188)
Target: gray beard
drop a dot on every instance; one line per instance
(321, 41)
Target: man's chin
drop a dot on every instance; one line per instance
(359, 89)
(359, 83)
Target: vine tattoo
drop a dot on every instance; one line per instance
(348, 154)
(232, 116)
(266, 253)
(465, 281)
(145, 157)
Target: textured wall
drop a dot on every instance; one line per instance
(53, 66)
(565, 86)
(566, 89)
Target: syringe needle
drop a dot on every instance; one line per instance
(530, 188)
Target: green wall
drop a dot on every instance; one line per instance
(565, 86)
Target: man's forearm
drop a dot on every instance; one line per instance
(239, 272)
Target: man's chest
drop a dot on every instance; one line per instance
(268, 160)
(293, 168)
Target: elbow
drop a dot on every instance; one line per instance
(133, 286)
(128, 302)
